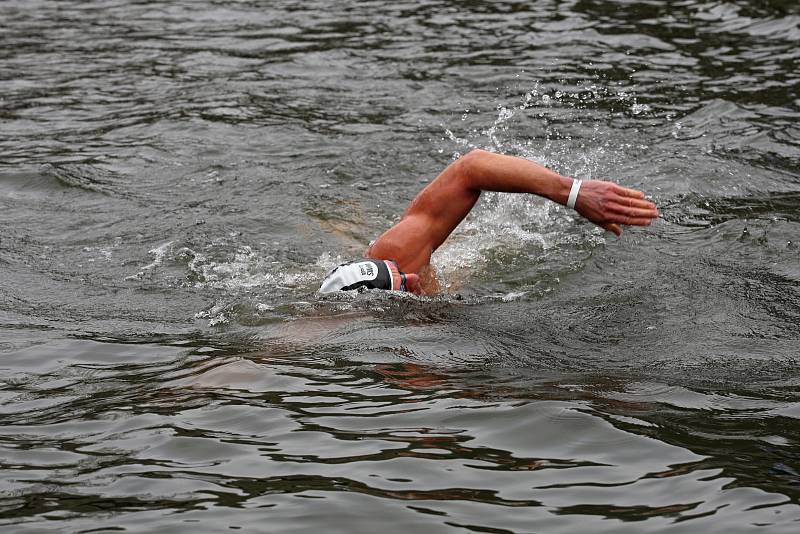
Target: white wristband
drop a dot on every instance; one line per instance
(573, 193)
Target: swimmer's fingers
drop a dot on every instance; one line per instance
(622, 219)
(633, 212)
(625, 192)
(634, 221)
(611, 206)
(636, 203)
(617, 229)
(631, 197)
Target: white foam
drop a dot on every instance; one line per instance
(524, 223)
(159, 253)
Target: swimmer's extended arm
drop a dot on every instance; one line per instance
(443, 204)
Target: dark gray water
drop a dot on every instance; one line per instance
(175, 178)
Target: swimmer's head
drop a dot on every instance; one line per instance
(371, 274)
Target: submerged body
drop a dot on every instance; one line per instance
(406, 248)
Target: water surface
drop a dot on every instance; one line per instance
(175, 179)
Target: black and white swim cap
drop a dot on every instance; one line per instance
(371, 274)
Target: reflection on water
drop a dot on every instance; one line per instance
(171, 428)
(176, 178)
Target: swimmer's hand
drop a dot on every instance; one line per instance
(609, 205)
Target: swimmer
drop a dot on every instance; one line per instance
(399, 260)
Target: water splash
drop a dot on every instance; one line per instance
(555, 128)
(159, 253)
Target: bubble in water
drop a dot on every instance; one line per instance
(504, 115)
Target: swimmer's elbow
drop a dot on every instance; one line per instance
(470, 167)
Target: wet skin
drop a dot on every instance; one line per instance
(439, 208)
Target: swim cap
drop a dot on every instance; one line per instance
(372, 274)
